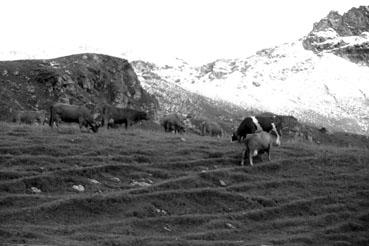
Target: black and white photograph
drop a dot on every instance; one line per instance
(184, 123)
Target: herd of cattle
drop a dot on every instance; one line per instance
(106, 115)
(258, 133)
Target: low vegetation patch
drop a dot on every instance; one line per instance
(148, 187)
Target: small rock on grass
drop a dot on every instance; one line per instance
(222, 183)
(94, 181)
(79, 188)
(140, 183)
(167, 228)
(161, 211)
(35, 190)
(115, 179)
(230, 226)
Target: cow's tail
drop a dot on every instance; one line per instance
(51, 120)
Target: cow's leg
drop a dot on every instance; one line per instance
(243, 157)
(52, 122)
(83, 123)
(80, 123)
(268, 151)
(57, 121)
(250, 158)
(251, 154)
(106, 122)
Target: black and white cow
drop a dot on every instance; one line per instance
(254, 124)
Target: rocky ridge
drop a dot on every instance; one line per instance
(76, 79)
(344, 35)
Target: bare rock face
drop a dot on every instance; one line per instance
(77, 79)
(352, 23)
(344, 35)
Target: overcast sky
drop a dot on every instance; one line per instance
(195, 30)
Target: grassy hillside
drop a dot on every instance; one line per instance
(145, 187)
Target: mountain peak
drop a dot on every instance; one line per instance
(344, 35)
(351, 23)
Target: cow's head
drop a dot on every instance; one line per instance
(142, 116)
(235, 137)
(181, 129)
(97, 122)
(97, 119)
(95, 126)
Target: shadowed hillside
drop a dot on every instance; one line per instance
(145, 187)
(75, 79)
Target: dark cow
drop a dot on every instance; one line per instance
(211, 128)
(73, 114)
(257, 123)
(113, 116)
(172, 123)
(258, 143)
(30, 116)
(323, 130)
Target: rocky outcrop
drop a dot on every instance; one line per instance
(77, 79)
(352, 23)
(344, 35)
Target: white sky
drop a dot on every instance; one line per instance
(195, 30)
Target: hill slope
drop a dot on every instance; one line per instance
(76, 79)
(139, 193)
(174, 98)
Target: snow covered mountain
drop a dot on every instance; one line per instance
(321, 79)
(174, 98)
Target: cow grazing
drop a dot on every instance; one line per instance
(113, 116)
(260, 142)
(30, 116)
(257, 123)
(211, 128)
(173, 123)
(73, 114)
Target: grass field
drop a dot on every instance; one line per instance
(147, 187)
